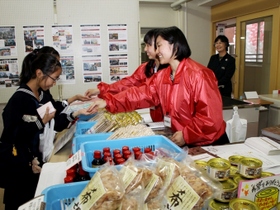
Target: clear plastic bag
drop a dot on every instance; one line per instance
(189, 188)
(105, 190)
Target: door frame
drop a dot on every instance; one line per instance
(238, 77)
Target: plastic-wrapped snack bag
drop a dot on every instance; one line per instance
(189, 190)
(103, 192)
(153, 184)
(132, 175)
(168, 169)
(130, 202)
(154, 204)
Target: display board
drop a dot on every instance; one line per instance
(116, 23)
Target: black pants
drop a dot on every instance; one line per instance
(20, 189)
(222, 140)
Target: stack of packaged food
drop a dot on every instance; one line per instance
(124, 125)
(229, 172)
(162, 180)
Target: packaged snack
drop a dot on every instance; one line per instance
(189, 188)
(104, 191)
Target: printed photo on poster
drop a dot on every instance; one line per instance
(90, 39)
(62, 36)
(34, 37)
(118, 67)
(92, 69)
(90, 78)
(7, 41)
(68, 72)
(92, 63)
(9, 74)
(117, 36)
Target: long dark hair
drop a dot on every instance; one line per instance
(27, 61)
(149, 38)
(46, 62)
(175, 36)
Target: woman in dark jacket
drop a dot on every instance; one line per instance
(223, 65)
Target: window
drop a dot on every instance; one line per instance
(254, 42)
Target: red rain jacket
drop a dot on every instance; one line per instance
(136, 79)
(192, 101)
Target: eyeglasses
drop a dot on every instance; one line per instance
(55, 80)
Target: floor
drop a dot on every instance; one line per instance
(1, 128)
(1, 201)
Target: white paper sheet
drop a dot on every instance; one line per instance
(204, 157)
(51, 174)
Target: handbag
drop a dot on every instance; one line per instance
(46, 141)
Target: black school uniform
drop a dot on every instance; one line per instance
(22, 126)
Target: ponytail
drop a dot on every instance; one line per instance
(26, 73)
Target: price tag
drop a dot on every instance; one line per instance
(75, 159)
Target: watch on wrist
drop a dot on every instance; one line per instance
(65, 103)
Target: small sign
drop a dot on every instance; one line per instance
(263, 191)
(74, 159)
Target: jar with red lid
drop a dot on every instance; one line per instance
(69, 179)
(120, 161)
(116, 151)
(125, 148)
(136, 149)
(71, 171)
(147, 150)
(106, 149)
(117, 156)
(97, 159)
(106, 155)
(82, 175)
(127, 154)
(138, 155)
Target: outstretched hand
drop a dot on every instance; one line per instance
(92, 92)
(83, 97)
(98, 104)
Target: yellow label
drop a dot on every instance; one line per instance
(180, 195)
(90, 194)
(154, 179)
(128, 175)
(145, 206)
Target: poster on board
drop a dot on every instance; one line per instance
(68, 72)
(62, 36)
(118, 64)
(117, 37)
(92, 68)
(8, 45)
(34, 37)
(90, 39)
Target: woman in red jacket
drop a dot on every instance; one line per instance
(141, 74)
(186, 90)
